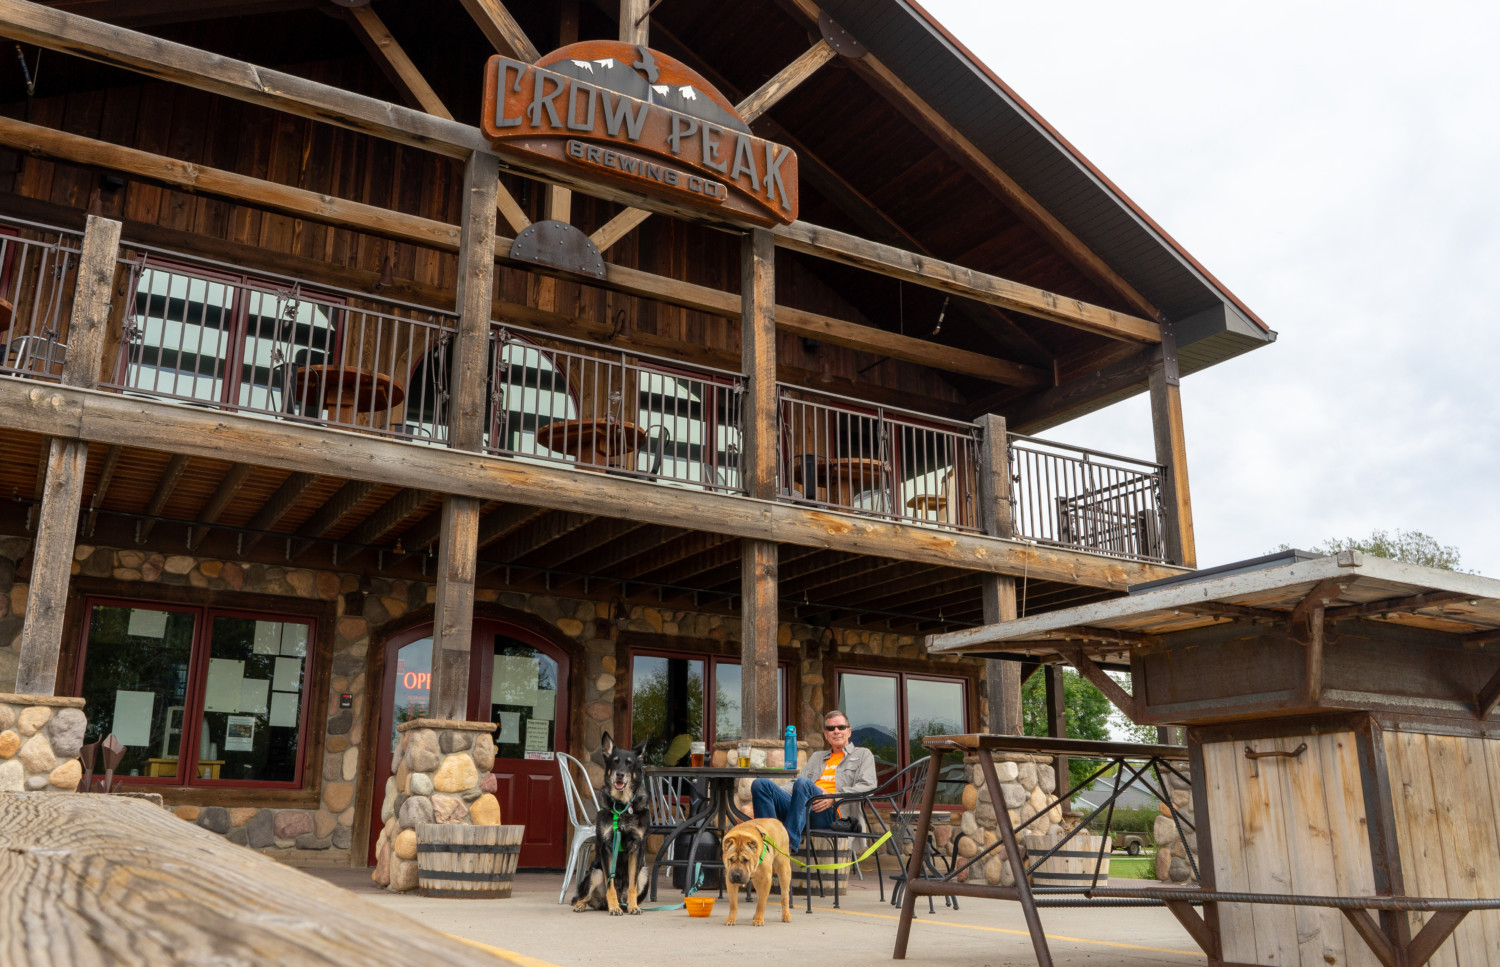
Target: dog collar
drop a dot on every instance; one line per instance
(617, 811)
(765, 847)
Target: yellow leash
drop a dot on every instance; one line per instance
(832, 866)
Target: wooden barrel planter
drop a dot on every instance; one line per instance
(467, 862)
(1071, 866)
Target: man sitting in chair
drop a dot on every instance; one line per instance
(840, 769)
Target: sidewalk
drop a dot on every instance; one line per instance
(531, 928)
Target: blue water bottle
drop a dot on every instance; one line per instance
(791, 747)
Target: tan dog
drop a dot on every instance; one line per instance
(753, 852)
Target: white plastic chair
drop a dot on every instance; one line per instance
(583, 808)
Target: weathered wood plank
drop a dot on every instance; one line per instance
(758, 628)
(758, 363)
(1415, 802)
(52, 560)
(1348, 830)
(227, 904)
(35, 24)
(453, 613)
(1459, 838)
(468, 402)
(1310, 856)
(957, 280)
(635, 22)
(1267, 865)
(1237, 927)
(1171, 452)
(89, 322)
(109, 418)
(399, 67)
(998, 593)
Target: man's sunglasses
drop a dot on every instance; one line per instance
(835, 728)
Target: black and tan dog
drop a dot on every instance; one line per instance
(622, 824)
(753, 852)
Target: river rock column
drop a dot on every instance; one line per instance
(1172, 867)
(40, 736)
(442, 775)
(1027, 782)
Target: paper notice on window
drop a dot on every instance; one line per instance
(284, 710)
(538, 736)
(132, 721)
(510, 728)
(267, 638)
(514, 680)
(225, 678)
(239, 733)
(147, 624)
(254, 694)
(546, 705)
(288, 675)
(294, 640)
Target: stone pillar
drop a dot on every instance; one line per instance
(442, 775)
(1172, 867)
(1028, 783)
(40, 736)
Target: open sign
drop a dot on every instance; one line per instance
(416, 681)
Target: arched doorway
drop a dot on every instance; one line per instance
(518, 680)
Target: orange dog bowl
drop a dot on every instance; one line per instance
(700, 906)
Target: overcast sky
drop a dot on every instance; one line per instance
(1336, 166)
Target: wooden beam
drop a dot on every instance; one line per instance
(388, 516)
(52, 561)
(88, 322)
(343, 503)
(35, 24)
(758, 455)
(282, 501)
(988, 173)
(228, 488)
(631, 550)
(956, 280)
(399, 67)
(1403, 605)
(540, 533)
(110, 418)
(1319, 598)
(1114, 380)
(720, 552)
(1171, 452)
(1206, 936)
(453, 613)
(1487, 697)
(997, 593)
(502, 30)
(476, 289)
(1219, 609)
(101, 488)
(1122, 699)
(635, 22)
(165, 484)
(602, 532)
(759, 622)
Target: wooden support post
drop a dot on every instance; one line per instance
(1171, 451)
(458, 546)
(62, 488)
(758, 574)
(1057, 719)
(1003, 678)
(635, 24)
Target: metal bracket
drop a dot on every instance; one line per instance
(1252, 755)
(842, 42)
(560, 246)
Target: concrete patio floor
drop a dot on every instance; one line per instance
(532, 929)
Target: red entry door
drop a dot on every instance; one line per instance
(516, 680)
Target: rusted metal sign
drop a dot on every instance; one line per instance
(634, 117)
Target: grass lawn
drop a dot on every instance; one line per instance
(1136, 867)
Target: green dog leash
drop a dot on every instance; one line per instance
(614, 862)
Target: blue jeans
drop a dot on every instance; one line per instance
(790, 807)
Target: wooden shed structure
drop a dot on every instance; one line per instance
(679, 386)
(1341, 741)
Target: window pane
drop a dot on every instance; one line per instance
(666, 697)
(523, 699)
(936, 708)
(252, 700)
(184, 326)
(413, 685)
(281, 334)
(727, 684)
(870, 703)
(135, 684)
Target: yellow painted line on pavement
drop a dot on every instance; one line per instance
(1022, 933)
(510, 955)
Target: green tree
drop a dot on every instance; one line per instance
(1086, 713)
(1409, 547)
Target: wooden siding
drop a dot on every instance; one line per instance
(1446, 793)
(1289, 826)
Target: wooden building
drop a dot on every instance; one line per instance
(678, 385)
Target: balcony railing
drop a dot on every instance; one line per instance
(566, 401)
(38, 270)
(874, 460)
(206, 333)
(1086, 499)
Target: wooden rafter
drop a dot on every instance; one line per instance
(628, 549)
(388, 516)
(334, 510)
(752, 107)
(1405, 605)
(583, 543)
(1122, 699)
(219, 502)
(101, 488)
(538, 534)
(282, 501)
(716, 554)
(165, 484)
(1219, 609)
(1487, 697)
(988, 173)
(1318, 599)
(502, 30)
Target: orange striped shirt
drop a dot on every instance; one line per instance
(825, 781)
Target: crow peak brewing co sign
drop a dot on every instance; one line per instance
(637, 118)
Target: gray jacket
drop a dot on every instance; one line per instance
(853, 775)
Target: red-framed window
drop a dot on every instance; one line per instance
(890, 712)
(197, 695)
(676, 694)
